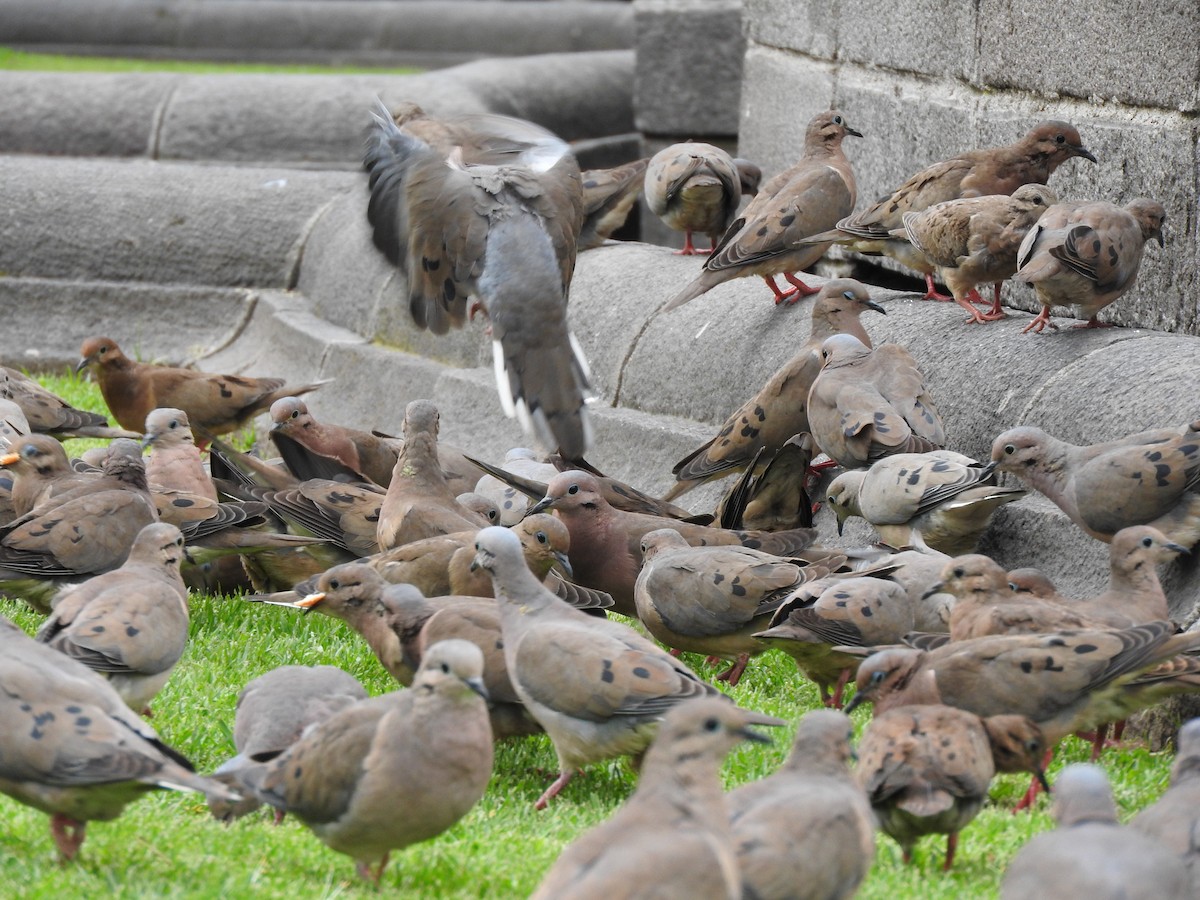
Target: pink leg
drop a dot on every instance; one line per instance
(931, 291)
(551, 792)
(1040, 322)
(780, 296)
(68, 835)
(802, 289)
(690, 249)
(951, 846)
(279, 816)
(734, 673)
(675, 652)
(1035, 786)
(976, 316)
(365, 873)
(843, 680)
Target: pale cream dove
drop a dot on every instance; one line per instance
(608, 197)
(672, 838)
(606, 542)
(47, 413)
(512, 501)
(174, 461)
(867, 403)
(419, 503)
(926, 769)
(767, 238)
(70, 747)
(1148, 478)
(780, 409)
(1087, 255)
(693, 187)
(974, 241)
(848, 612)
(940, 499)
(712, 600)
(773, 497)
(975, 173)
(216, 404)
(1090, 855)
(1173, 820)
(494, 212)
(806, 830)
(597, 686)
(393, 770)
(273, 710)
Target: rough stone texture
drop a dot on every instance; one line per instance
(689, 66)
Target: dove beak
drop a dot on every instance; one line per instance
(476, 685)
(1083, 151)
(853, 132)
(310, 601)
(871, 304)
(84, 362)
(857, 700)
(541, 506)
(1170, 545)
(753, 718)
(1041, 777)
(565, 562)
(9, 459)
(935, 588)
(1162, 241)
(841, 515)
(147, 440)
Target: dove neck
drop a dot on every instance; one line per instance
(687, 782)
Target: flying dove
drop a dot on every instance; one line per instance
(130, 624)
(174, 460)
(1148, 478)
(711, 600)
(767, 238)
(939, 499)
(493, 211)
(216, 404)
(1174, 818)
(393, 770)
(780, 409)
(1090, 856)
(926, 769)
(70, 747)
(974, 240)
(672, 837)
(975, 173)
(693, 187)
(606, 542)
(608, 197)
(867, 403)
(273, 710)
(806, 830)
(47, 413)
(597, 686)
(1087, 255)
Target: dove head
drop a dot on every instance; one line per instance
(344, 591)
(1082, 795)
(882, 674)
(822, 743)
(1019, 449)
(838, 306)
(571, 493)
(974, 577)
(100, 351)
(125, 463)
(158, 543)
(1035, 198)
(288, 413)
(1151, 216)
(1054, 141)
(661, 539)
(452, 669)
(749, 176)
(480, 504)
(498, 552)
(843, 496)
(167, 427)
(1031, 581)
(825, 132)
(37, 453)
(420, 417)
(1018, 745)
(701, 732)
(1141, 547)
(546, 541)
(842, 349)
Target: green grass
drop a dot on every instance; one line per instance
(19, 60)
(166, 846)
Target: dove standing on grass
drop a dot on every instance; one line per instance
(493, 210)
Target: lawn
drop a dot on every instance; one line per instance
(19, 60)
(166, 845)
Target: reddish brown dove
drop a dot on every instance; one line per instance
(694, 187)
(780, 409)
(1087, 255)
(767, 238)
(312, 449)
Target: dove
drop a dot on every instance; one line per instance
(605, 549)
(215, 404)
(711, 600)
(130, 624)
(975, 173)
(926, 769)
(70, 747)
(806, 830)
(596, 685)
(1090, 856)
(940, 499)
(867, 403)
(774, 498)
(47, 413)
(1086, 255)
(1148, 478)
(766, 239)
(672, 837)
(1174, 818)
(780, 409)
(514, 502)
(311, 449)
(40, 470)
(608, 197)
(493, 210)
(174, 462)
(693, 187)
(393, 770)
(974, 240)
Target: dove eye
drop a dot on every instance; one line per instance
(837, 120)
(712, 725)
(877, 677)
(446, 668)
(335, 584)
(1147, 541)
(849, 295)
(959, 572)
(573, 489)
(541, 537)
(103, 350)
(1010, 449)
(295, 413)
(1059, 139)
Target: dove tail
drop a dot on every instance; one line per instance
(703, 283)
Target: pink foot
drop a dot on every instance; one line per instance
(1040, 321)
(551, 792)
(690, 249)
(931, 292)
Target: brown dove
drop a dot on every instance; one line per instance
(40, 470)
(393, 770)
(608, 197)
(606, 542)
(216, 404)
(419, 502)
(866, 404)
(693, 187)
(1087, 255)
(806, 830)
(47, 413)
(273, 710)
(312, 449)
(780, 409)
(974, 240)
(597, 686)
(130, 624)
(1174, 818)
(492, 212)
(174, 461)
(926, 769)
(776, 497)
(672, 837)
(975, 173)
(1090, 855)
(712, 600)
(1148, 478)
(767, 238)
(70, 747)
(827, 614)
(939, 499)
